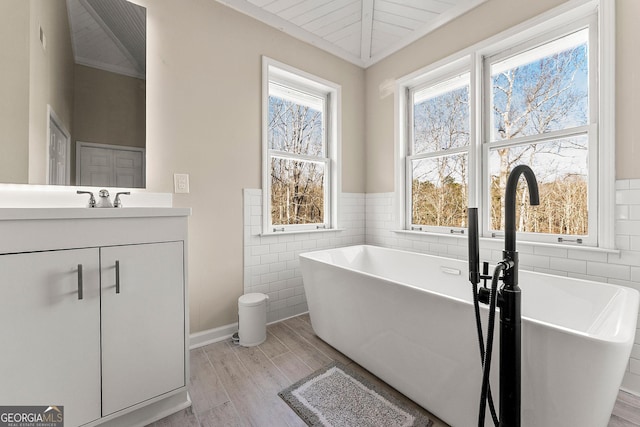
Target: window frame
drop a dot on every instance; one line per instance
(590, 129)
(306, 84)
(545, 27)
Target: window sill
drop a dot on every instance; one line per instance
(285, 233)
(519, 242)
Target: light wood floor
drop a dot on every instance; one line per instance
(237, 386)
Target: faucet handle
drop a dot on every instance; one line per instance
(117, 203)
(92, 200)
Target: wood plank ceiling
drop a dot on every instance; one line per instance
(109, 35)
(360, 31)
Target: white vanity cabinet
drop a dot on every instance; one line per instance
(93, 312)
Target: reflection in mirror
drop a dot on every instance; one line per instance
(72, 101)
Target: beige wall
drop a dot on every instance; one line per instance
(51, 79)
(109, 108)
(481, 23)
(14, 91)
(204, 119)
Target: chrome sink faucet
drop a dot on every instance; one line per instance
(104, 201)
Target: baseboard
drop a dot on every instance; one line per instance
(210, 336)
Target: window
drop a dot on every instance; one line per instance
(531, 98)
(300, 150)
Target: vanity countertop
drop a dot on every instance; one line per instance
(17, 214)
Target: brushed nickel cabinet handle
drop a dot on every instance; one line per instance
(117, 277)
(80, 287)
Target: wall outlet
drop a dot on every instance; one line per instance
(180, 182)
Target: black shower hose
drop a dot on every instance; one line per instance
(485, 356)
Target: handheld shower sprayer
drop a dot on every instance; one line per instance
(474, 247)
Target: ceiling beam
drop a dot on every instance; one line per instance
(367, 29)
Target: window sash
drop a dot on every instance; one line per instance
(451, 229)
(590, 239)
(326, 193)
(538, 49)
(305, 100)
(448, 83)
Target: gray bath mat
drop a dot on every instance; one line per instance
(336, 396)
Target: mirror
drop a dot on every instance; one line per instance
(73, 96)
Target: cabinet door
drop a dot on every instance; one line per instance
(50, 338)
(143, 341)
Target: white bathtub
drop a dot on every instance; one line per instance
(408, 318)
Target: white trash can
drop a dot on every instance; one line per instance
(252, 319)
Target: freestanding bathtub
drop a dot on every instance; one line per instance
(408, 318)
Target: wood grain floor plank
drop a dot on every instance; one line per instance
(616, 421)
(292, 367)
(205, 388)
(224, 415)
(305, 330)
(627, 412)
(629, 398)
(249, 402)
(301, 347)
(305, 317)
(264, 373)
(272, 347)
(269, 380)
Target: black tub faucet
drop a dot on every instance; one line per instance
(510, 304)
(510, 254)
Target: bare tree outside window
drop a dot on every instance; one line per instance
(295, 138)
(535, 93)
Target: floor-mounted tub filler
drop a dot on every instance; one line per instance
(409, 319)
(508, 297)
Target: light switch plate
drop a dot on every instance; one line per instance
(180, 182)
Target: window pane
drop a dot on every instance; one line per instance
(297, 192)
(295, 127)
(439, 191)
(561, 168)
(541, 90)
(441, 116)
